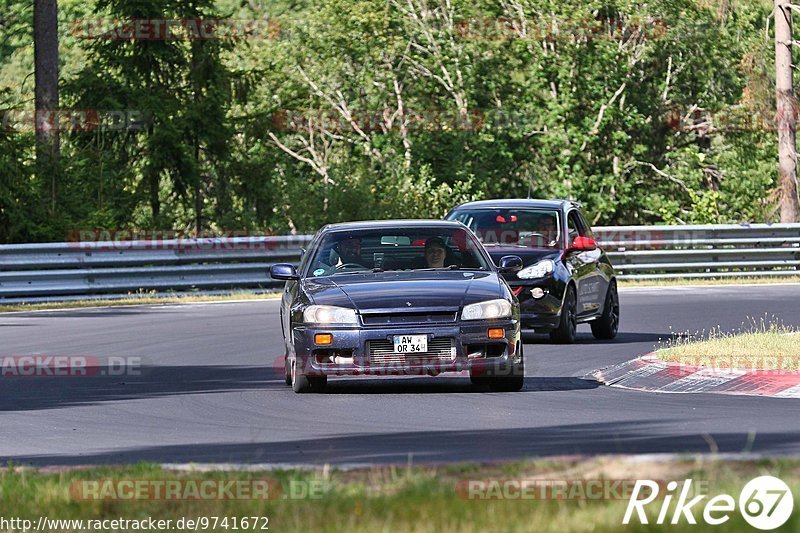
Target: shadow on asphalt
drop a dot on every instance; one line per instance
(21, 393)
(587, 338)
(447, 385)
(629, 437)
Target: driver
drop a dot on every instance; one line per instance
(349, 251)
(547, 227)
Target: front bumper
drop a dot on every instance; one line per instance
(349, 353)
(543, 312)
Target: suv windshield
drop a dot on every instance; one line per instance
(380, 250)
(529, 228)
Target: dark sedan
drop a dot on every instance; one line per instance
(399, 297)
(567, 278)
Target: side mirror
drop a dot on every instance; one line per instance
(583, 244)
(510, 263)
(283, 271)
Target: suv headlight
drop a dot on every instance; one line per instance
(329, 314)
(490, 309)
(539, 270)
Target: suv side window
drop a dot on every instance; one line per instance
(584, 228)
(465, 218)
(573, 226)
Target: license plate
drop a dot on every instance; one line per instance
(410, 343)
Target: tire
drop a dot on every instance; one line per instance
(478, 380)
(607, 325)
(567, 328)
(303, 384)
(287, 374)
(515, 381)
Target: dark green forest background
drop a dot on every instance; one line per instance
(647, 112)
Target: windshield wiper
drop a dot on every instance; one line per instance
(509, 245)
(451, 267)
(339, 273)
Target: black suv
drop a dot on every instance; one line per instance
(566, 278)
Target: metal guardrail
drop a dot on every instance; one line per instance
(702, 251)
(58, 271)
(73, 270)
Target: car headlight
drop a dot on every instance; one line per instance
(539, 270)
(329, 314)
(490, 309)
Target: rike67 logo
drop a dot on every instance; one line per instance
(765, 503)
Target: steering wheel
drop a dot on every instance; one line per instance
(530, 236)
(348, 265)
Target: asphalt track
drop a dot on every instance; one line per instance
(210, 393)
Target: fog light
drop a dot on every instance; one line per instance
(537, 292)
(497, 333)
(323, 338)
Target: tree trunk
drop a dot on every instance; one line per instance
(155, 203)
(785, 113)
(45, 54)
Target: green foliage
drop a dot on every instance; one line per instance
(356, 109)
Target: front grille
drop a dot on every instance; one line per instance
(388, 319)
(440, 350)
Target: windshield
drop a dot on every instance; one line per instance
(420, 248)
(529, 228)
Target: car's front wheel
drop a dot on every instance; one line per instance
(513, 381)
(567, 328)
(302, 383)
(607, 325)
(478, 380)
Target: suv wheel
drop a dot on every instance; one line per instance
(607, 325)
(567, 328)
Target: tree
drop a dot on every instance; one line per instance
(182, 90)
(45, 46)
(786, 112)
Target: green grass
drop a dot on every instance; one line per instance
(738, 280)
(137, 299)
(397, 499)
(764, 345)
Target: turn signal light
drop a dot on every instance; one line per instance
(497, 333)
(323, 338)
